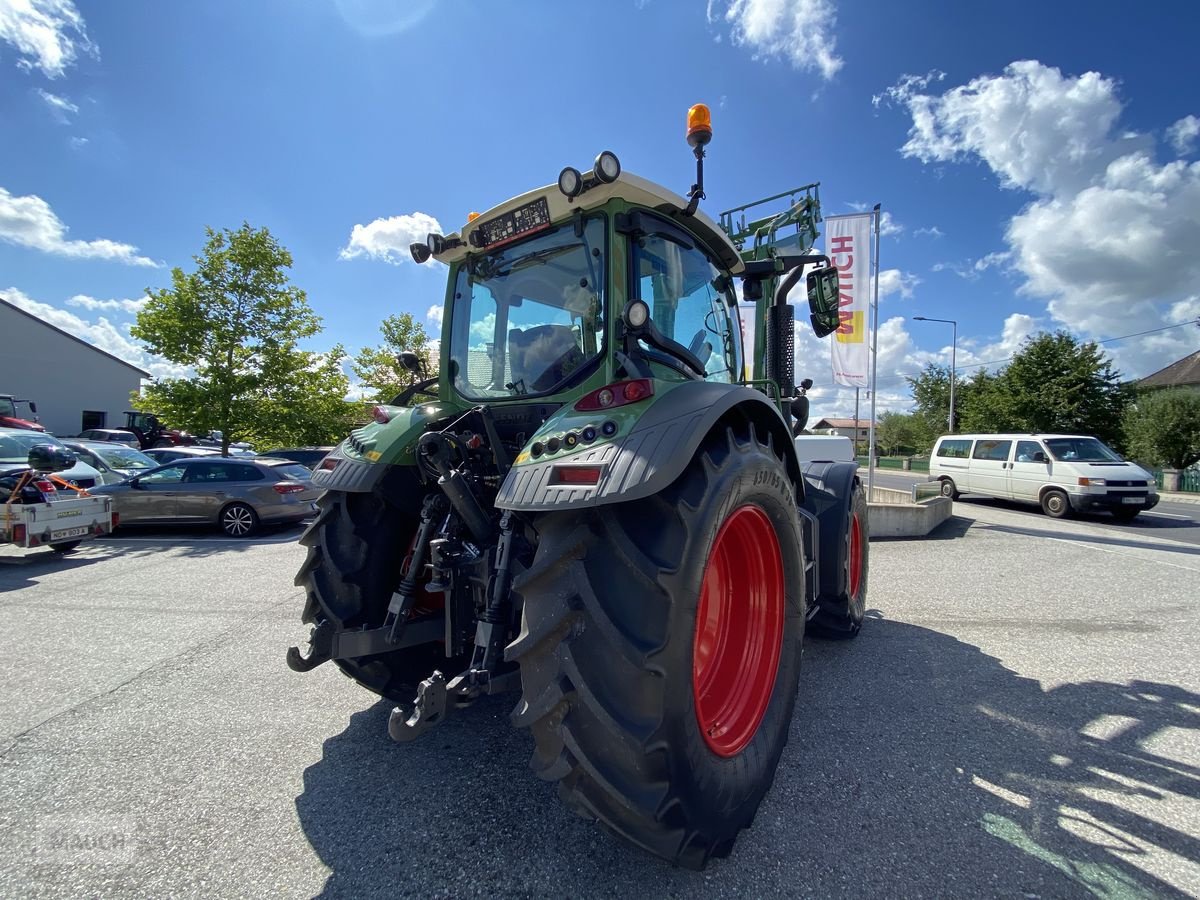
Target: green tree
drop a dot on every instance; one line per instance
(898, 433)
(1054, 383)
(379, 367)
(1162, 428)
(236, 322)
(1058, 383)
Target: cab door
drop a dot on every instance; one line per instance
(989, 467)
(1028, 471)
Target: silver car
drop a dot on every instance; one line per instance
(15, 444)
(115, 462)
(237, 494)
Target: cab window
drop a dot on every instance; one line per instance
(1027, 450)
(689, 304)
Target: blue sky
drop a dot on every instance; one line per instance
(1037, 161)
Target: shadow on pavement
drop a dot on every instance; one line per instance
(1147, 544)
(918, 766)
(953, 527)
(1149, 521)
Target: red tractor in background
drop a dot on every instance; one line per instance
(151, 432)
(9, 417)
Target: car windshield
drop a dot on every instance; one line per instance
(15, 447)
(528, 316)
(1080, 450)
(122, 458)
(8, 408)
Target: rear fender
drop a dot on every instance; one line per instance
(827, 499)
(654, 452)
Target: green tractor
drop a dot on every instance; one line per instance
(599, 503)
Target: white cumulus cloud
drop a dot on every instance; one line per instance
(388, 239)
(47, 34)
(798, 31)
(30, 222)
(893, 281)
(1108, 240)
(102, 333)
(1183, 134)
(435, 315)
(127, 306)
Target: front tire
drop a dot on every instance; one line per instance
(660, 651)
(356, 552)
(239, 520)
(842, 596)
(948, 489)
(1055, 504)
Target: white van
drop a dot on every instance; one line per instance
(1061, 472)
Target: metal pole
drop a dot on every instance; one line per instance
(856, 421)
(874, 363)
(953, 351)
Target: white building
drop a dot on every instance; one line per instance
(74, 384)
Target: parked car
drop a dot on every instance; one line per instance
(115, 462)
(236, 494)
(115, 435)
(15, 444)
(162, 455)
(308, 456)
(1061, 472)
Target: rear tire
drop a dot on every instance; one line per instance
(238, 520)
(356, 549)
(626, 642)
(842, 600)
(1055, 504)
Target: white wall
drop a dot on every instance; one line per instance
(63, 376)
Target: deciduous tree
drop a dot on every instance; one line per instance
(379, 368)
(1162, 428)
(236, 321)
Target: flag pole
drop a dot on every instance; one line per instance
(874, 363)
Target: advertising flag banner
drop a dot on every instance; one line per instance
(848, 246)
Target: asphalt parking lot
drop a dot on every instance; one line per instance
(1019, 718)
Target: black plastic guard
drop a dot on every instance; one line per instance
(827, 497)
(653, 454)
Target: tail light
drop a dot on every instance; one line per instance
(18, 534)
(579, 476)
(288, 487)
(620, 393)
(46, 487)
(116, 520)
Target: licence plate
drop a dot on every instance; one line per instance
(1137, 500)
(69, 533)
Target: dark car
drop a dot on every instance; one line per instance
(237, 494)
(307, 456)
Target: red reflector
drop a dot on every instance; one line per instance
(381, 415)
(329, 464)
(580, 475)
(618, 393)
(18, 534)
(287, 487)
(116, 519)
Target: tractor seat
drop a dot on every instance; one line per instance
(543, 356)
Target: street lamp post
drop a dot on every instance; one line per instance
(953, 352)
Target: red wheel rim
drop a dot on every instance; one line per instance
(855, 555)
(739, 631)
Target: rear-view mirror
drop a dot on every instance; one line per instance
(823, 300)
(33, 407)
(1040, 457)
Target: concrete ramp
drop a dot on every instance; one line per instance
(896, 513)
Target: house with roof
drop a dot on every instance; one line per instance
(858, 430)
(76, 385)
(1183, 373)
